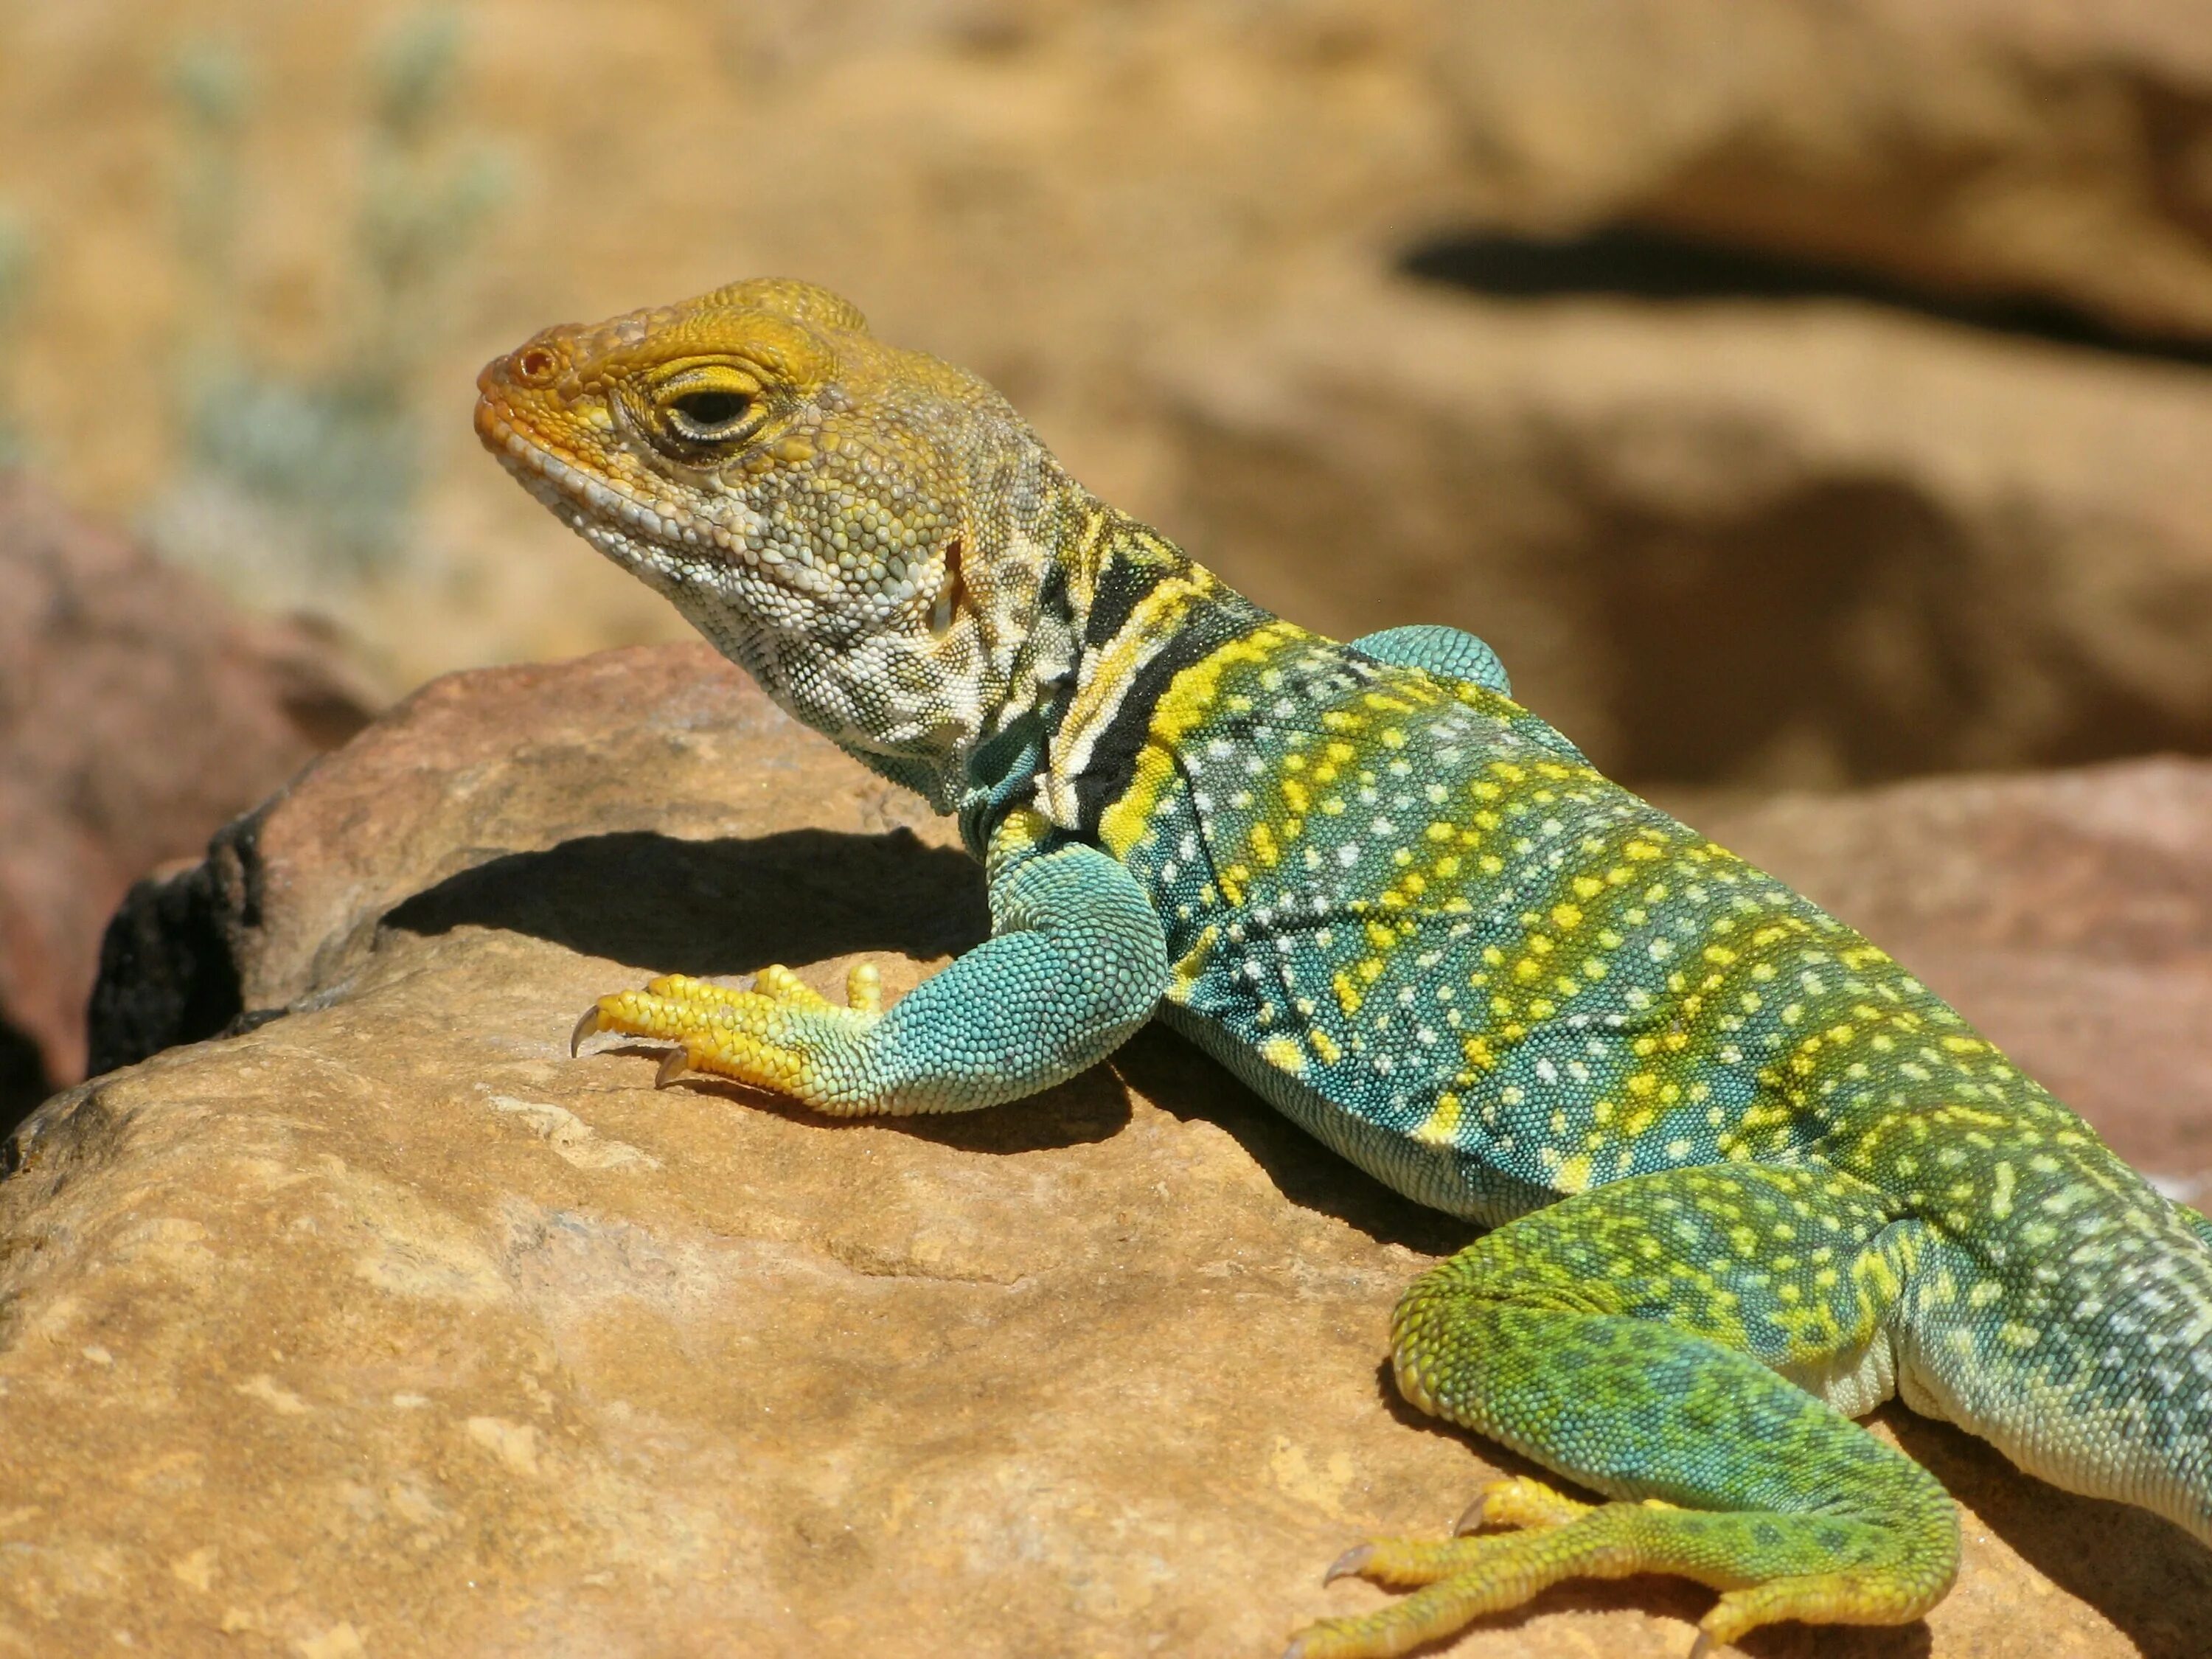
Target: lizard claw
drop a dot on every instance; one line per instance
(1517, 1501)
(1349, 1565)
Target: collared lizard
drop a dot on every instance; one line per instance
(1744, 1177)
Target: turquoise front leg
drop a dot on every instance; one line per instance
(1451, 653)
(1076, 962)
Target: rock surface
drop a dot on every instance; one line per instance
(137, 714)
(1848, 544)
(1976, 146)
(387, 1329)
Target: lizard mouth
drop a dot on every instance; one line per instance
(580, 497)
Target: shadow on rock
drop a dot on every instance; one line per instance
(1165, 1069)
(2149, 1578)
(1091, 1107)
(703, 907)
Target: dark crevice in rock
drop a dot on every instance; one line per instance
(23, 1080)
(169, 961)
(166, 973)
(1639, 262)
(1848, 621)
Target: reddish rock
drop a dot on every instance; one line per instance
(137, 713)
(542, 786)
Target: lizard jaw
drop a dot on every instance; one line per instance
(588, 502)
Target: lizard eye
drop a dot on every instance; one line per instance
(704, 417)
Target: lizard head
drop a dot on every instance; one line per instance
(841, 517)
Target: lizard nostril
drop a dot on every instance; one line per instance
(535, 365)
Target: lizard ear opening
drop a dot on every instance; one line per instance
(952, 596)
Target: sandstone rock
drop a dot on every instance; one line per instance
(1812, 544)
(137, 714)
(1991, 147)
(385, 1327)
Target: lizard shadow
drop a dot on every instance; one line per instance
(1091, 1106)
(1187, 1085)
(2146, 1577)
(732, 906)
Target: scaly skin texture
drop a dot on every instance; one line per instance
(1746, 1178)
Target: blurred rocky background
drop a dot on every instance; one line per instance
(1798, 393)
(1812, 399)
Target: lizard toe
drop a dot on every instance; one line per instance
(1517, 1501)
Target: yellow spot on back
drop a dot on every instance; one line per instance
(1440, 1127)
(1347, 994)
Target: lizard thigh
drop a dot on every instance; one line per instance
(1641, 1338)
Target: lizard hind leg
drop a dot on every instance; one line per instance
(1648, 1377)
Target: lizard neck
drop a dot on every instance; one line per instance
(1072, 619)
(926, 707)
(1138, 610)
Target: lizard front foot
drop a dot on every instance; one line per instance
(780, 1035)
